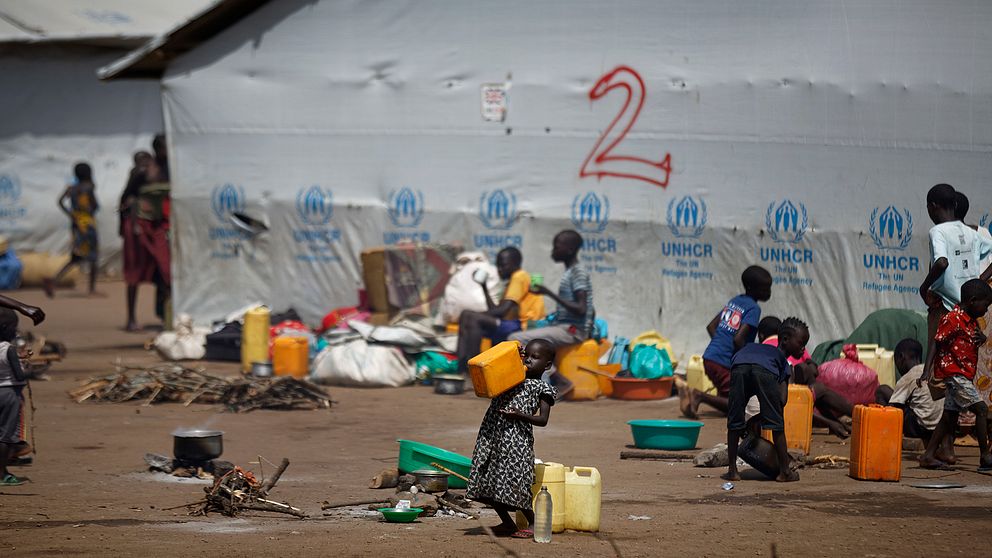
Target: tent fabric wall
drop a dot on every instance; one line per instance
(59, 114)
(684, 140)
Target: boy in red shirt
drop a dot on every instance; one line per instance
(957, 341)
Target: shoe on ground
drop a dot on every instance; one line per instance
(11, 480)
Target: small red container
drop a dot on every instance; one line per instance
(636, 389)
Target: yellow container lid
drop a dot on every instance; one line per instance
(549, 472)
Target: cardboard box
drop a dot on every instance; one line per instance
(374, 273)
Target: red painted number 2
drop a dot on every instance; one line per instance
(602, 161)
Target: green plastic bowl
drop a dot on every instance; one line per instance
(665, 434)
(394, 515)
(415, 456)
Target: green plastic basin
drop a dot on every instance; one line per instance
(416, 455)
(665, 434)
(394, 515)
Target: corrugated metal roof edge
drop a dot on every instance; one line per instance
(112, 41)
(151, 59)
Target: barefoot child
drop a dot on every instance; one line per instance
(503, 460)
(82, 214)
(763, 370)
(732, 328)
(955, 361)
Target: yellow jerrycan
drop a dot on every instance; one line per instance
(695, 376)
(583, 498)
(255, 337)
(552, 476)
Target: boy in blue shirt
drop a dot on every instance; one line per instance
(763, 370)
(735, 326)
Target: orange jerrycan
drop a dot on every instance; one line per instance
(798, 414)
(876, 443)
(291, 356)
(497, 370)
(570, 359)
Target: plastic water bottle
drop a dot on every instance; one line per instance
(542, 516)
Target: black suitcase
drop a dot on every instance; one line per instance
(225, 344)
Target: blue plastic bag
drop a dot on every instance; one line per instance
(600, 329)
(648, 362)
(620, 352)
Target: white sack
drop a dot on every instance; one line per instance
(386, 334)
(357, 363)
(185, 343)
(462, 291)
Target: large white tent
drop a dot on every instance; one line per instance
(55, 112)
(685, 140)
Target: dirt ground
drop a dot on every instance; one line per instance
(90, 493)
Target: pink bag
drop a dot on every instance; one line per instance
(848, 377)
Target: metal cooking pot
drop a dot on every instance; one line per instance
(432, 481)
(261, 369)
(449, 384)
(197, 445)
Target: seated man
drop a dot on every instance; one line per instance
(573, 322)
(920, 413)
(517, 307)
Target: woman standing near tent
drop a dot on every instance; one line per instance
(130, 233)
(81, 210)
(145, 230)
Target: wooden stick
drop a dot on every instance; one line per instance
(388, 478)
(197, 503)
(658, 455)
(596, 372)
(444, 469)
(270, 482)
(458, 509)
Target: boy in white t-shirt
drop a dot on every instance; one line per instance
(961, 207)
(955, 252)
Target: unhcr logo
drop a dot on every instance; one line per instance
(10, 189)
(686, 216)
(986, 221)
(314, 205)
(227, 199)
(591, 213)
(498, 209)
(785, 222)
(406, 207)
(890, 228)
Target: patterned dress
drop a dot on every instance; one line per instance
(83, 208)
(503, 460)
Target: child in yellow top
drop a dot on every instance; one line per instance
(515, 309)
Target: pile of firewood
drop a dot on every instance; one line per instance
(179, 384)
(238, 490)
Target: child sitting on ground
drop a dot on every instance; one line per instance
(503, 460)
(762, 370)
(920, 413)
(955, 361)
(735, 326)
